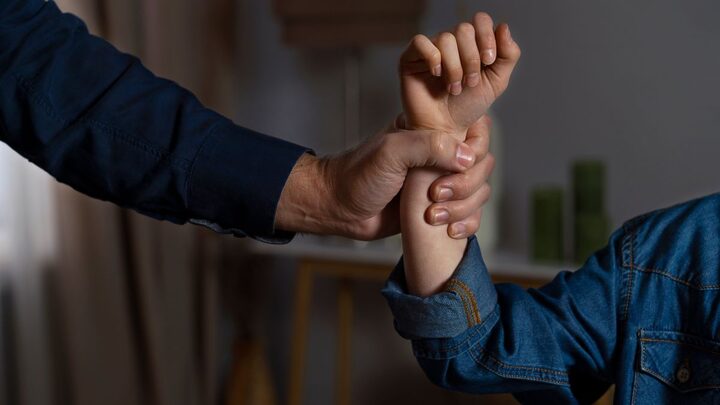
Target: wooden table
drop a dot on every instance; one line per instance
(350, 262)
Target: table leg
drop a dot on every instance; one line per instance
(303, 299)
(344, 354)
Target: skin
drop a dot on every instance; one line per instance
(355, 194)
(445, 88)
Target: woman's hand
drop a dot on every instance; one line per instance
(450, 81)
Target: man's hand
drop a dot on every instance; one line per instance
(433, 73)
(355, 194)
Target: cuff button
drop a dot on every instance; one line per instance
(683, 373)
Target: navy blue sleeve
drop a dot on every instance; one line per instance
(549, 345)
(99, 121)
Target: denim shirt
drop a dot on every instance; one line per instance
(643, 313)
(98, 120)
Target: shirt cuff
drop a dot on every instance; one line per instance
(236, 182)
(468, 300)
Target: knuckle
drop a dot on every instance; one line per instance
(467, 186)
(389, 143)
(465, 29)
(473, 62)
(438, 145)
(483, 147)
(485, 192)
(418, 39)
(446, 37)
(482, 17)
(434, 56)
(455, 72)
(490, 158)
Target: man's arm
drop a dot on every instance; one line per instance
(97, 120)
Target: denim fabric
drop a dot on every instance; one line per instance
(642, 313)
(97, 120)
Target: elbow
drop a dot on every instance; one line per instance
(461, 373)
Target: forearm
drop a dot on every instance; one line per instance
(430, 255)
(304, 204)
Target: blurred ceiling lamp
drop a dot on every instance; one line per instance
(348, 23)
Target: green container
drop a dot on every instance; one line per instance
(547, 224)
(591, 234)
(588, 187)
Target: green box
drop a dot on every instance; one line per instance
(547, 224)
(588, 178)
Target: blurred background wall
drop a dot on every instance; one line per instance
(632, 83)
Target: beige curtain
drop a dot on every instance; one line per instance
(134, 298)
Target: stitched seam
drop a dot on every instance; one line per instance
(676, 279)
(35, 96)
(191, 170)
(681, 343)
(631, 276)
(471, 298)
(519, 371)
(464, 303)
(675, 386)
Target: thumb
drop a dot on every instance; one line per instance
(508, 54)
(431, 149)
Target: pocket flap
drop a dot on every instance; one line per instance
(684, 362)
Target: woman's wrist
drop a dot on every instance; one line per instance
(430, 255)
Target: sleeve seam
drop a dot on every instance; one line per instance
(193, 163)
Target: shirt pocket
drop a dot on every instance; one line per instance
(677, 368)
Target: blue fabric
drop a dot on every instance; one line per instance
(97, 120)
(643, 313)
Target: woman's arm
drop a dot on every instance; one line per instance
(551, 345)
(431, 254)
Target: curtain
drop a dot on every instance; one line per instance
(120, 309)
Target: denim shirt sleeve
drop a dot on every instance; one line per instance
(99, 121)
(555, 343)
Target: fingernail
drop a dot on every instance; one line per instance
(458, 230)
(440, 216)
(437, 71)
(465, 155)
(455, 88)
(488, 57)
(444, 194)
(472, 79)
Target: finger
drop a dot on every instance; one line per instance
(469, 53)
(458, 210)
(460, 186)
(451, 65)
(478, 136)
(484, 30)
(507, 58)
(463, 229)
(411, 149)
(421, 55)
